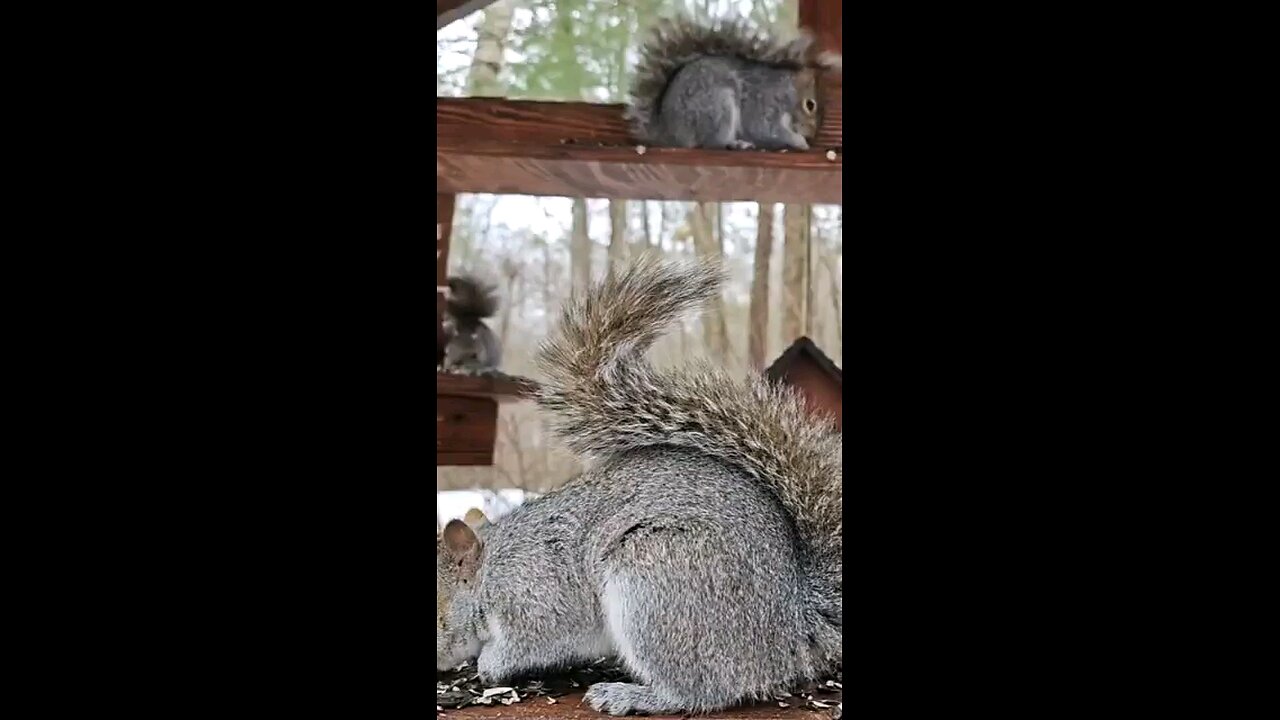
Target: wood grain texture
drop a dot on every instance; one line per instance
(496, 146)
(825, 19)
(449, 10)
(466, 429)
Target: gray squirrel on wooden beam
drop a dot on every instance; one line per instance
(725, 85)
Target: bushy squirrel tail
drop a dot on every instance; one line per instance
(673, 43)
(471, 299)
(604, 398)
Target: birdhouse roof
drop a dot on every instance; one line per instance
(800, 349)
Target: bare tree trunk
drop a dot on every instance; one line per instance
(648, 235)
(662, 224)
(705, 246)
(486, 64)
(720, 226)
(511, 271)
(617, 232)
(580, 247)
(547, 306)
(836, 292)
(758, 312)
(794, 276)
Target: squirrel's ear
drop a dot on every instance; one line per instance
(475, 518)
(460, 539)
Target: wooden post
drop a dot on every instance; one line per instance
(825, 19)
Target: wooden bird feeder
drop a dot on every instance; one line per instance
(819, 379)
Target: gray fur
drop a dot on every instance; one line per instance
(688, 67)
(472, 346)
(701, 546)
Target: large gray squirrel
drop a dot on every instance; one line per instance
(726, 85)
(702, 544)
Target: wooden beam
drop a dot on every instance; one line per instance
(500, 389)
(486, 145)
(449, 10)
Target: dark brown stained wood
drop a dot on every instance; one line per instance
(820, 381)
(504, 389)
(825, 19)
(449, 10)
(529, 121)
(821, 395)
(466, 429)
(831, 131)
(486, 145)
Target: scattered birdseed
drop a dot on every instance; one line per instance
(462, 687)
(831, 155)
(640, 149)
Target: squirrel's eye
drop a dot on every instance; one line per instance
(810, 105)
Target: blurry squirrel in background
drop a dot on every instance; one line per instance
(726, 85)
(472, 346)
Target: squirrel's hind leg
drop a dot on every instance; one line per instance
(727, 130)
(627, 699)
(715, 123)
(676, 630)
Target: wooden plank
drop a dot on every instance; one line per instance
(825, 19)
(529, 122)
(486, 145)
(501, 389)
(449, 10)
(466, 429)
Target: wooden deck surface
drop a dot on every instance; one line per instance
(571, 707)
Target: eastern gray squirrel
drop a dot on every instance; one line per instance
(726, 85)
(702, 544)
(472, 346)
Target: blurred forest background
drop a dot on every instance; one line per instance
(785, 260)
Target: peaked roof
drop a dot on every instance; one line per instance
(803, 346)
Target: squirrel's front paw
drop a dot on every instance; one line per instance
(741, 145)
